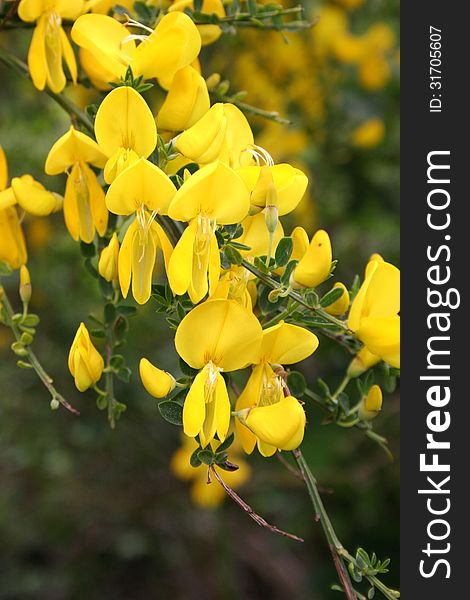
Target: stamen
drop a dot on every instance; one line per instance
(211, 381)
(260, 155)
(205, 231)
(145, 222)
(133, 36)
(133, 23)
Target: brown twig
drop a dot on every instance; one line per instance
(9, 14)
(247, 508)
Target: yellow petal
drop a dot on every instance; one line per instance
(290, 184)
(68, 55)
(300, 243)
(164, 243)
(381, 335)
(37, 55)
(158, 383)
(32, 196)
(201, 194)
(72, 147)
(194, 409)
(3, 170)
(187, 101)
(315, 266)
(181, 262)
(340, 306)
(209, 33)
(108, 261)
(256, 236)
(53, 47)
(378, 296)
(70, 9)
(281, 424)
(285, 344)
(363, 360)
(238, 136)
(144, 254)
(118, 162)
(7, 198)
(214, 265)
(124, 120)
(142, 183)
(30, 10)
(12, 242)
(107, 49)
(97, 201)
(203, 141)
(125, 258)
(228, 334)
(174, 44)
(248, 399)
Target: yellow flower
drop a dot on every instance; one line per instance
(204, 494)
(125, 130)
(363, 360)
(187, 101)
(84, 206)
(25, 285)
(256, 236)
(145, 190)
(216, 336)
(374, 314)
(340, 306)
(214, 195)
(280, 186)
(12, 242)
(371, 404)
(31, 196)
(223, 133)
(233, 285)
(158, 383)
(277, 426)
(315, 265)
(283, 344)
(174, 44)
(85, 362)
(369, 134)
(209, 33)
(50, 45)
(108, 262)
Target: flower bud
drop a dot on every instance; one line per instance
(85, 362)
(158, 383)
(25, 285)
(371, 405)
(108, 262)
(361, 362)
(340, 306)
(314, 267)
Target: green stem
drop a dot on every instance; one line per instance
(248, 108)
(342, 386)
(338, 551)
(272, 283)
(16, 64)
(31, 357)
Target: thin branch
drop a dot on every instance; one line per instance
(247, 508)
(11, 12)
(16, 64)
(31, 357)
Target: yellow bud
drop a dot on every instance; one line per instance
(85, 362)
(25, 285)
(108, 263)
(340, 306)
(371, 405)
(158, 383)
(314, 267)
(213, 81)
(361, 362)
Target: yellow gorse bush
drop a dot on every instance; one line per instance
(179, 204)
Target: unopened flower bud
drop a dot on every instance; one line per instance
(340, 306)
(371, 405)
(25, 285)
(108, 263)
(158, 383)
(314, 267)
(85, 362)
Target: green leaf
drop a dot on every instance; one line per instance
(126, 311)
(109, 312)
(228, 466)
(98, 333)
(102, 401)
(225, 445)
(171, 412)
(297, 384)
(194, 460)
(120, 327)
(285, 277)
(124, 374)
(232, 255)
(187, 370)
(117, 361)
(371, 593)
(284, 251)
(206, 456)
(331, 297)
(31, 320)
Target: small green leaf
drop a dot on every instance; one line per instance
(171, 412)
(124, 374)
(285, 277)
(232, 255)
(331, 297)
(225, 445)
(5, 269)
(228, 466)
(206, 456)
(126, 311)
(284, 251)
(109, 312)
(117, 361)
(194, 460)
(30, 320)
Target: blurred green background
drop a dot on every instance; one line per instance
(87, 512)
